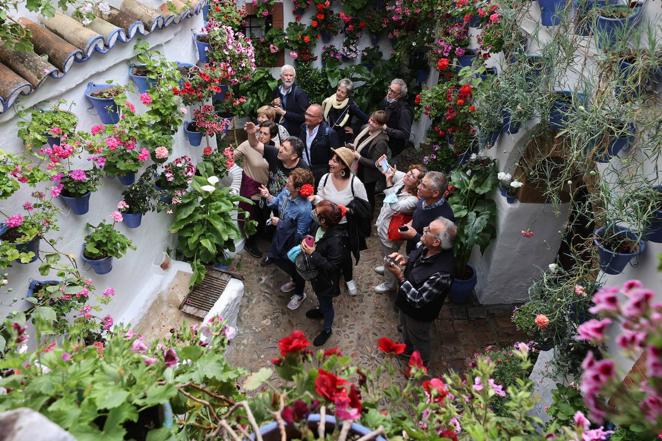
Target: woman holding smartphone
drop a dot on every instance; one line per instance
(370, 145)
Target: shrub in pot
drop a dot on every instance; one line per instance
(102, 243)
(46, 126)
(103, 98)
(617, 245)
(138, 199)
(615, 22)
(76, 186)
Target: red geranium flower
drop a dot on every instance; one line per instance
(465, 90)
(450, 434)
(306, 39)
(418, 99)
(314, 23)
(320, 16)
(355, 398)
(388, 346)
(442, 64)
(435, 390)
(332, 351)
(415, 362)
(328, 385)
(306, 190)
(207, 151)
(295, 342)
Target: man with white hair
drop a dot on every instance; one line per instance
(289, 100)
(399, 116)
(425, 277)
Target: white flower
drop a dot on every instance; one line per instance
(86, 8)
(208, 188)
(503, 176)
(86, 21)
(213, 180)
(516, 184)
(104, 7)
(23, 349)
(553, 267)
(184, 110)
(473, 157)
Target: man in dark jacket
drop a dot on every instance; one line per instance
(289, 100)
(318, 139)
(424, 283)
(430, 206)
(398, 114)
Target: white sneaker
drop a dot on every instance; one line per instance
(351, 288)
(379, 270)
(383, 288)
(296, 301)
(287, 287)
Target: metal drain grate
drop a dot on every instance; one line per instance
(200, 301)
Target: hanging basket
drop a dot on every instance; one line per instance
(614, 262)
(105, 107)
(77, 204)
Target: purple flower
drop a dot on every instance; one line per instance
(605, 300)
(28, 206)
(638, 303)
(109, 292)
(593, 330)
(497, 388)
(78, 175)
(170, 358)
(478, 385)
(14, 221)
(107, 323)
(56, 190)
(138, 345)
(66, 356)
(149, 361)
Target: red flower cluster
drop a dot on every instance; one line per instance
(388, 346)
(334, 389)
(293, 343)
(415, 363)
(306, 190)
(442, 64)
(435, 390)
(329, 386)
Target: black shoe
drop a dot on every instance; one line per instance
(322, 338)
(314, 314)
(266, 261)
(252, 249)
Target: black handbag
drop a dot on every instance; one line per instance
(305, 266)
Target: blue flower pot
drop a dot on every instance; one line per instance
(504, 193)
(36, 285)
(550, 11)
(100, 266)
(203, 48)
(325, 36)
(132, 220)
(52, 140)
(583, 9)
(608, 30)
(561, 107)
(487, 140)
(194, 138)
(127, 179)
(612, 262)
(374, 39)
(654, 229)
(26, 247)
(143, 83)
(508, 125)
(271, 431)
(77, 204)
(220, 96)
(461, 289)
(105, 107)
(489, 71)
(618, 144)
(475, 21)
(467, 59)
(181, 64)
(422, 75)
(205, 12)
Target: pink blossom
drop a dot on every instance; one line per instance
(605, 300)
(86, 311)
(593, 330)
(96, 129)
(651, 406)
(146, 98)
(130, 106)
(522, 347)
(130, 145)
(294, 55)
(129, 334)
(56, 190)
(149, 361)
(143, 155)
(138, 346)
(88, 282)
(107, 323)
(170, 358)
(497, 388)
(112, 142)
(478, 385)
(630, 339)
(230, 332)
(654, 362)
(78, 175)
(66, 356)
(84, 293)
(14, 221)
(109, 292)
(581, 421)
(580, 291)
(122, 205)
(598, 434)
(343, 409)
(117, 216)
(100, 161)
(55, 131)
(161, 152)
(630, 285)
(184, 110)
(494, 18)
(638, 303)
(273, 48)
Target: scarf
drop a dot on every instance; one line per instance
(330, 102)
(362, 143)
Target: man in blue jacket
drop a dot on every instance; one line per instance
(289, 100)
(318, 140)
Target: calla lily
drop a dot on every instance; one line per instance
(213, 180)
(208, 188)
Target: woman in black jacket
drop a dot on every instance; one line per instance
(327, 255)
(369, 145)
(339, 110)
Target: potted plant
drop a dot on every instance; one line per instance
(564, 104)
(617, 245)
(207, 121)
(150, 65)
(551, 11)
(508, 187)
(46, 126)
(102, 243)
(76, 186)
(475, 217)
(138, 199)
(615, 22)
(269, 48)
(488, 114)
(654, 226)
(226, 12)
(24, 231)
(115, 149)
(103, 98)
(300, 7)
(175, 178)
(232, 52)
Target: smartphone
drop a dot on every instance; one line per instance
(384, 165)
(309, 241)
(403, 228)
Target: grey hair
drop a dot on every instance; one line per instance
(439, 181)
(403, 86)
(347, 84)
(285, 67)
(446, 237)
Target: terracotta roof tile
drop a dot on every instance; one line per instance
(63, 40)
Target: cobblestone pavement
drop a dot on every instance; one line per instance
(459, 332)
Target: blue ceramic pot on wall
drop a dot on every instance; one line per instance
(127, 179)
(100, 266)
(613, 262)
(143, 82)
(203, 48)
(132, 220)
(271, 431)
(26, 247)
(654, 230)
(194, 137)
(105, 107)
(551, 11)
(508, 125)
(78, 204)
(617, 144)
(608, 29)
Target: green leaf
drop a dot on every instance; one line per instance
(109, 397)
(157, 394)
(45, 314)
(159, 434)
(256, 379)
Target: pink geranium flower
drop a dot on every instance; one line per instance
(14, 221)
(146, 98)
(143, 155)
(161, 152)
(117, 216)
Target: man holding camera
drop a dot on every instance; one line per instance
(424, 283)
(289, 100)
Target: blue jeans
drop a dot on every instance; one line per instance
(326, 307)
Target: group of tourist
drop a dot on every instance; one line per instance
(313, 171)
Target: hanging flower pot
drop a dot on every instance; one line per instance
(475, 22)
(52, 140)
(422, 75)
(205, 12)
(617, 144)
(504, 192)
(138, 74)
(561, 106)
(271, 431)
(26, 247)
(326, 36)
(463, 286)
(550, 11)
(654, 230)
(194, 136)
(127, 179)
(467, 59)
(100, 266)
(36, 285)
(184, 69)
(374, 39)
(220, 96)
(615, 21)
(299, 11)
(101, 96)
(508, 125)
(616, 247)
(203, 47)
(132, 220)
(77, 204)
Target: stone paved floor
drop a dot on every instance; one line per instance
(459, 332)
